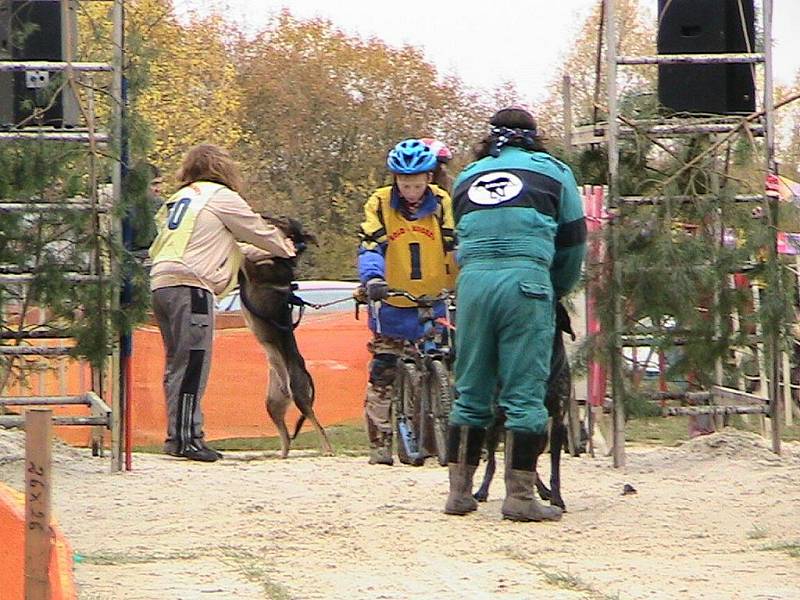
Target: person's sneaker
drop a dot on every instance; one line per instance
(380, 456)
(204, 446)
(193, 452)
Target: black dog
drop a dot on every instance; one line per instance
(559, 390)
(267, 305)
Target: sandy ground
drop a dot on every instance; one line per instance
(714, 518)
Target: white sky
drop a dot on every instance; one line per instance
(477, 38)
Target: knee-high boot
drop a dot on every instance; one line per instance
(522, 450)
(464, 445)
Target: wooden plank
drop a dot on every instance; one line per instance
(19, 421)
(43, 400)
(689, 59)
(46, 65)
(597, 133)
(676, 411)
(56, 136)
(38, 459)
(653, 200)
(11, 278)
(19, 207)
(725, 393)
(691, 397)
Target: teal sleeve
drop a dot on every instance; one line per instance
(565, 271)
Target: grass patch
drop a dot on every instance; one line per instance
(120, 558)
(657, 430)
(757, 533)
(347, 439)
(789, 434)
(790, 548)
(559, 579)
(254, 569)
(351, 439)
(671, 431)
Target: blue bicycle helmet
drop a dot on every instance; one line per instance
(410, 157)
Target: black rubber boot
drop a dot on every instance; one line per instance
(463, 454)
(522, 450)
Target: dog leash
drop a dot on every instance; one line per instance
(324, 304)
(292, 300)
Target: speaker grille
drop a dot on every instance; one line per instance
(706, 27)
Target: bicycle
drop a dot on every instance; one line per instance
(423, 385)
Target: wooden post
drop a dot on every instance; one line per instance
(774, 288)
(566, 94)
(118, 401)
(787, 389)
(617, 384)
(760, 357)
(38, 432)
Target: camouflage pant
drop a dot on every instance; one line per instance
(378, 403)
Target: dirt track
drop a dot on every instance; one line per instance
(715, 518)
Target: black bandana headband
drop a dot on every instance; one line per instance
(503, 135)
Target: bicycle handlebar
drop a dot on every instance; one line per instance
(423, 300)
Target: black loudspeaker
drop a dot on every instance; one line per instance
(34, 30)
(36, 27)
(706, 27)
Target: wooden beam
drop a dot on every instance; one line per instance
(674, 411)
(720, 392)
(43, 400)
(38, 535)
(49, 65)
(19, 421)
(692, 59)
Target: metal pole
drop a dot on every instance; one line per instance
(617, 386)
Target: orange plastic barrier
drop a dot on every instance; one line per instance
(333, 344)
(12, 552)
(334, 347)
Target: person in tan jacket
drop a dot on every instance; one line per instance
(203, 231)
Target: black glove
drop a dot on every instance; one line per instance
(377, 289)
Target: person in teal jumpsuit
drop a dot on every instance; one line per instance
(521, 241)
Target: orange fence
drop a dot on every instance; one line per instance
(12, 552)
(333, 344)
(334, 347)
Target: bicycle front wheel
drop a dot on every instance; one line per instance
(441, 394)
(406, 408)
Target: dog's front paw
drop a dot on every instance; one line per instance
(481, 495)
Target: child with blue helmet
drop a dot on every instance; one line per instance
(406, 234)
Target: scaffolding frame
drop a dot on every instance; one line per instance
(610, 133)
(102, 416)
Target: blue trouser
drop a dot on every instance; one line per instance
(504, 339)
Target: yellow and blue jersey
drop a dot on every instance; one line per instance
(409, 251)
